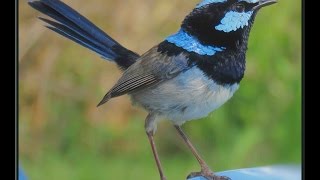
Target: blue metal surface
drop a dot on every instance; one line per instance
(280, 172)
(21, 176)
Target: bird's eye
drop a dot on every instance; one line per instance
(239, 7)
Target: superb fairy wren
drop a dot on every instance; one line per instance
(188, 75)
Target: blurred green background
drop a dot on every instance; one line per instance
(62, 135)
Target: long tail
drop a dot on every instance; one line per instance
(72, 25)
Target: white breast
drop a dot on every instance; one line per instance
(190, 95)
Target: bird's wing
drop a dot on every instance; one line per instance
(150, 69)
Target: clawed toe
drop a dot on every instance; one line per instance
(210, 176)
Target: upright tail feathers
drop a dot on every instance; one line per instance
(72, 25)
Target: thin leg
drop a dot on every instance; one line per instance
(156, 156)
(151, 126)
(205, 170)
(203, 164)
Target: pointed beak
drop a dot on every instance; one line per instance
(263, 3)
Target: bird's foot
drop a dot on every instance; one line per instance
(209, 176)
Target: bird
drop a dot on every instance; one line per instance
(188, 75)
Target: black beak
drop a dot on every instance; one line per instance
(263, 3)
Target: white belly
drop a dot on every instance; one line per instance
(190, 95)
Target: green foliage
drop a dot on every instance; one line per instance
(63, 136)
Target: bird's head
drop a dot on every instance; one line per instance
(223, 23)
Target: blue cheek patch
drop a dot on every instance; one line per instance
(191, 44)
(233, 21)
(206, 2)
(251, 1)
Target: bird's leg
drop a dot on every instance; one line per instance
(150, 126)
(204, 167)
(156, 156)
(205, 170)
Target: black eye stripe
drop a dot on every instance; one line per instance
(247, 6)
(239, 7)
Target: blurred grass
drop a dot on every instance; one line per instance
(62, 135)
